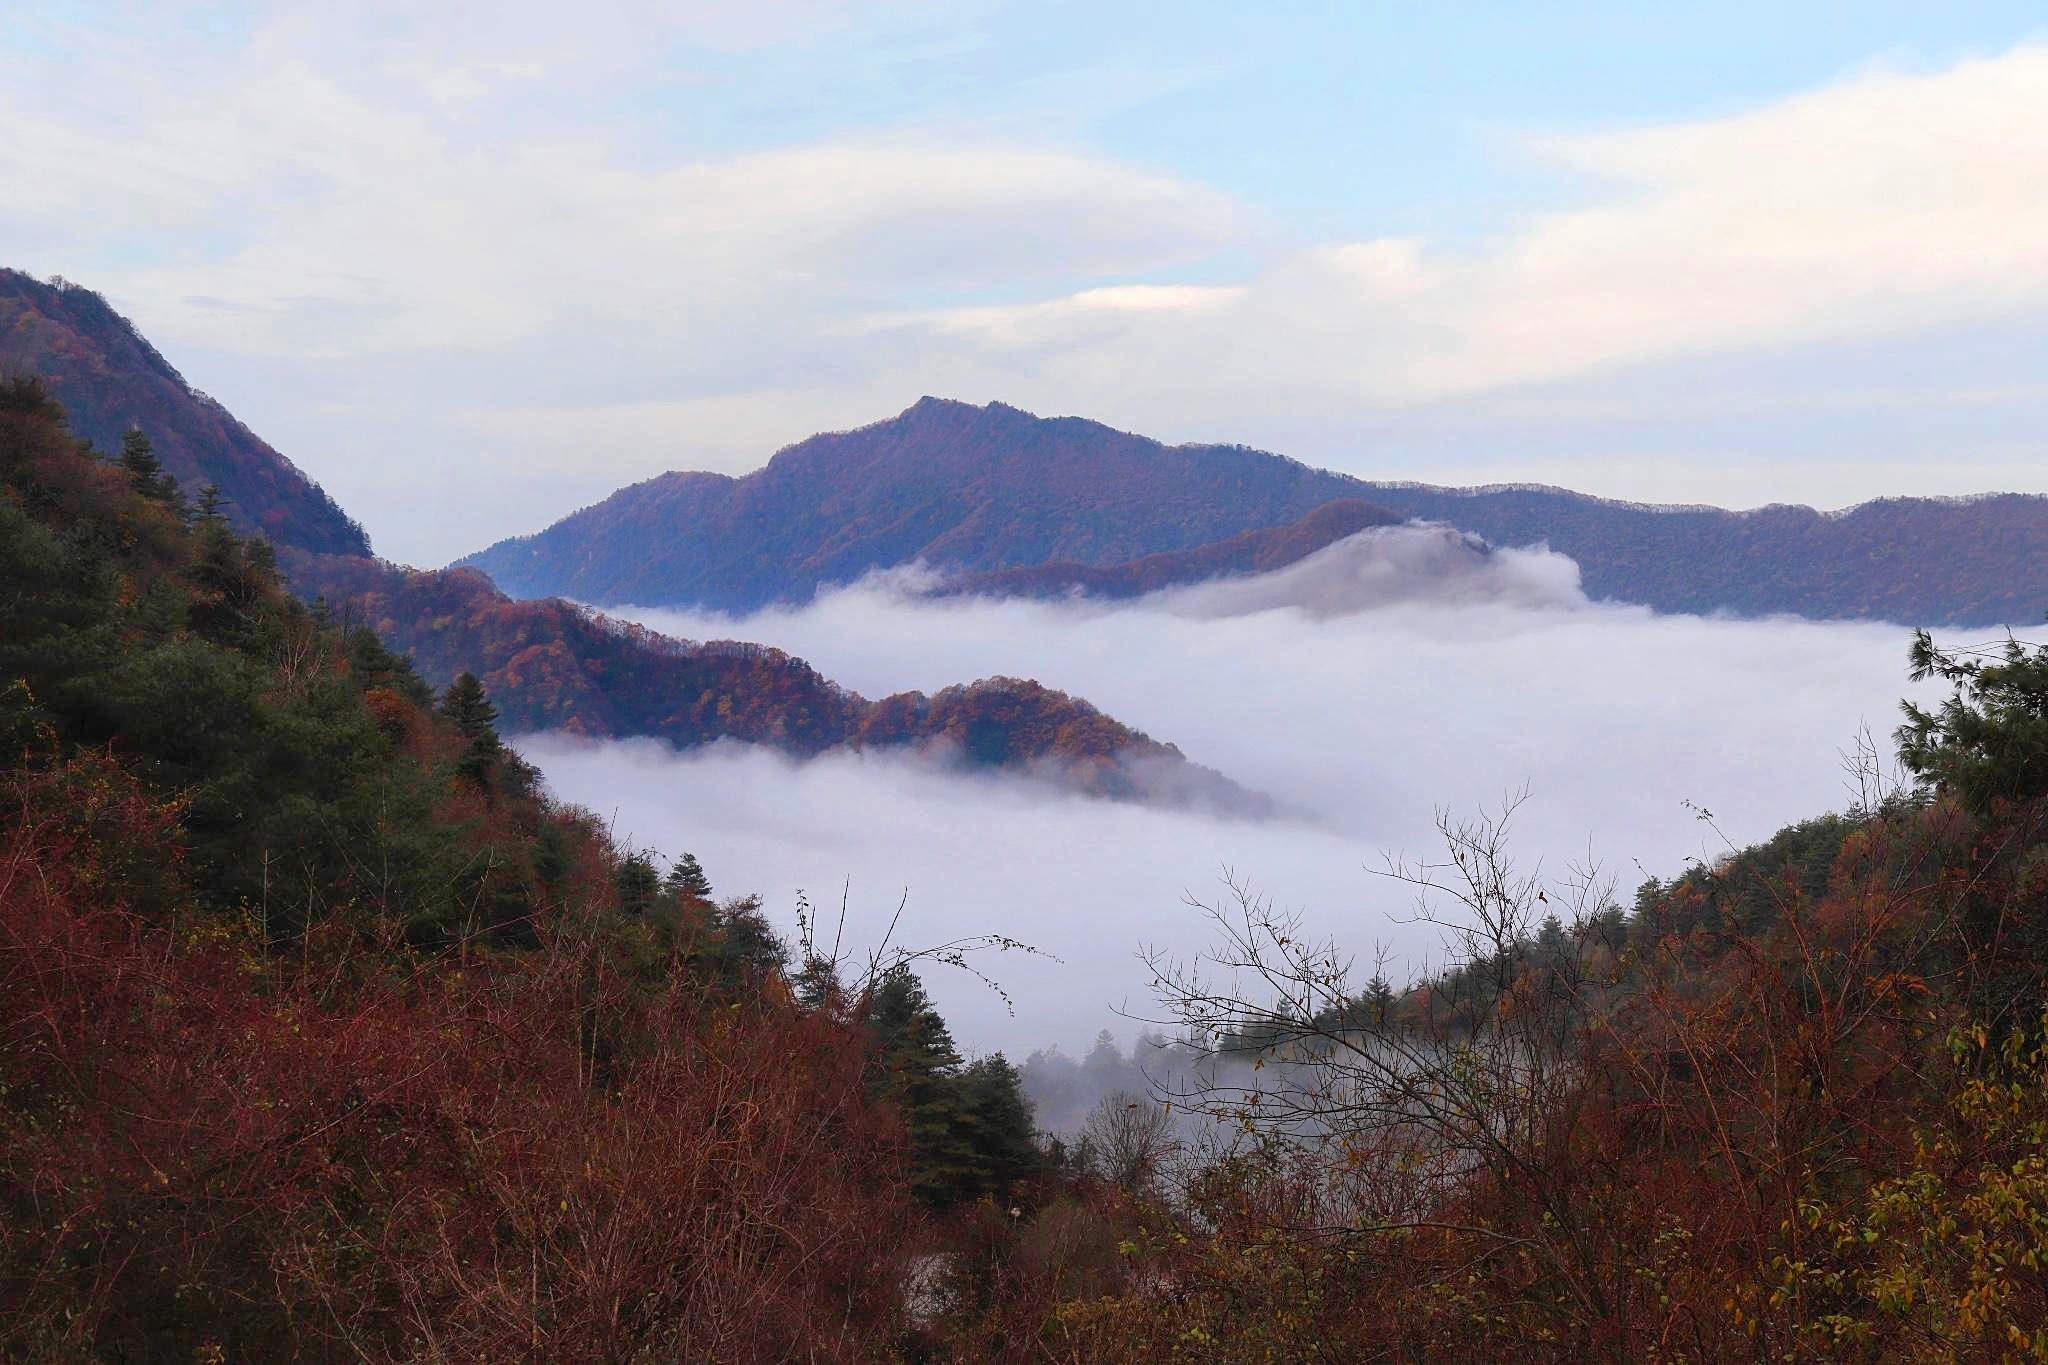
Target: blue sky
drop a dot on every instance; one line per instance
(475, 265)
(1335, 118)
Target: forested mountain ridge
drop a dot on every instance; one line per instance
(956, 486)
(1980, 561)
(1252, 552)
(553, 665)
(549, 664)
(985, 490)
(110, 379)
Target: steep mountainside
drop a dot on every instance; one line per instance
(1252, 552)
(961, 487)
(986, 490)
(550, 665)
(109, 379)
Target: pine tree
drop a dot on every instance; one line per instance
(145, 472)
(914, 1068)
(466, 705)
(635, 883)
(1001, 1126)
(686, 879)
(1378, 1001)
(475, 717)
(747, 949)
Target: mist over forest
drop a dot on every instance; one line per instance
(1359, 716)
(1021, 684)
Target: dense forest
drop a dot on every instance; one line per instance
(986, 490)
(326, 1034)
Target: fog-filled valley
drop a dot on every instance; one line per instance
(1360, 706)
(1007, 684)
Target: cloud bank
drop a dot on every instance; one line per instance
(1361, 722)
(1387, 566)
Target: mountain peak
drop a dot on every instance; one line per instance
(928, 405)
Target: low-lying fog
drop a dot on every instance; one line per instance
(1363, 720)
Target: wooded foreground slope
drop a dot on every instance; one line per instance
(327, 1035)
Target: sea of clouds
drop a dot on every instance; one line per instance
(1362, 706)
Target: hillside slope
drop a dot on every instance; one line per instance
(110, 379)
(552, 665)
(960, 487)
(992, 489)
(1250, 553)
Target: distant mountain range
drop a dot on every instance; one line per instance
(551, 664)
(109, 379)
(1017, 503)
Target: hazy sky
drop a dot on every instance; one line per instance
(1361, 723)
(474, 265)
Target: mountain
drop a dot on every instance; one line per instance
(959, 487)
(987, 490)
(552, 665)
(1979, 561)
(110, 379)
(1250, 553)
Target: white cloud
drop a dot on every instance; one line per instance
(501, 234)
(1884, 202)
(1365, 722)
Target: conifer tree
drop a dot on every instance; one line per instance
(466, 705)
(748, 948)
(686, 879)
(475, 717)
(635, 883)
(145, 472)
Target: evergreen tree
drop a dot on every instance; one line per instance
(970, 1128)
(1000, 1126)
(145, 472)
(1378, 1002)
(686, 879)
(635, 881)
(818, 986)
(466, 705)
(747, 948)
(374, 665)
(915, 1065)
(475, 717)
(1987, 744)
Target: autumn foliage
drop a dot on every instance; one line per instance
(325, 1034)
(348, 1151)
(1792, 1107)
(555, 665)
